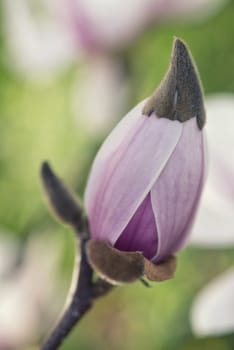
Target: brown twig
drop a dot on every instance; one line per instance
(81, 302)
(86, 291)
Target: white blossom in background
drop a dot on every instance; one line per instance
(100, 95)
(109, 25)
(214, 224)
(46, 36)
(39, 45)
(213, 308)
(29, 297)
(8, 253)
(212, 311)
(102, 25)
(186, 10)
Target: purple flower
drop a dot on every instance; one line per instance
(146, 181)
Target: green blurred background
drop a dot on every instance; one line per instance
(36, 124)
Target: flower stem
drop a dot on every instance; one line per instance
(85, 290)
(80, 303)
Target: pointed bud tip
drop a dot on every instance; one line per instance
(179, 96)
(63, 204)
(46, 171)
(179, 45)
(181, 54)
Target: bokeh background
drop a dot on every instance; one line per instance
(57, 104)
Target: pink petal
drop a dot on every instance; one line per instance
(140, 235)
(83, 30)
(176, 193)
(138, 148)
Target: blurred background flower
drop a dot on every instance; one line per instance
(44, 36)
(212, 310)
(214, 225)
(31, 292)
(52, 69)
(38, 44)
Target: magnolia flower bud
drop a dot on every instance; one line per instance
(147, 178)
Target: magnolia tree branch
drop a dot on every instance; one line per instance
(68, 209)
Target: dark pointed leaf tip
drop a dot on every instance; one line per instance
(179, 96)
(45, 167)
(46, 171)
(62, 202)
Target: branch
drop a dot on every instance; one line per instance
(68, 209)
(80, 303)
